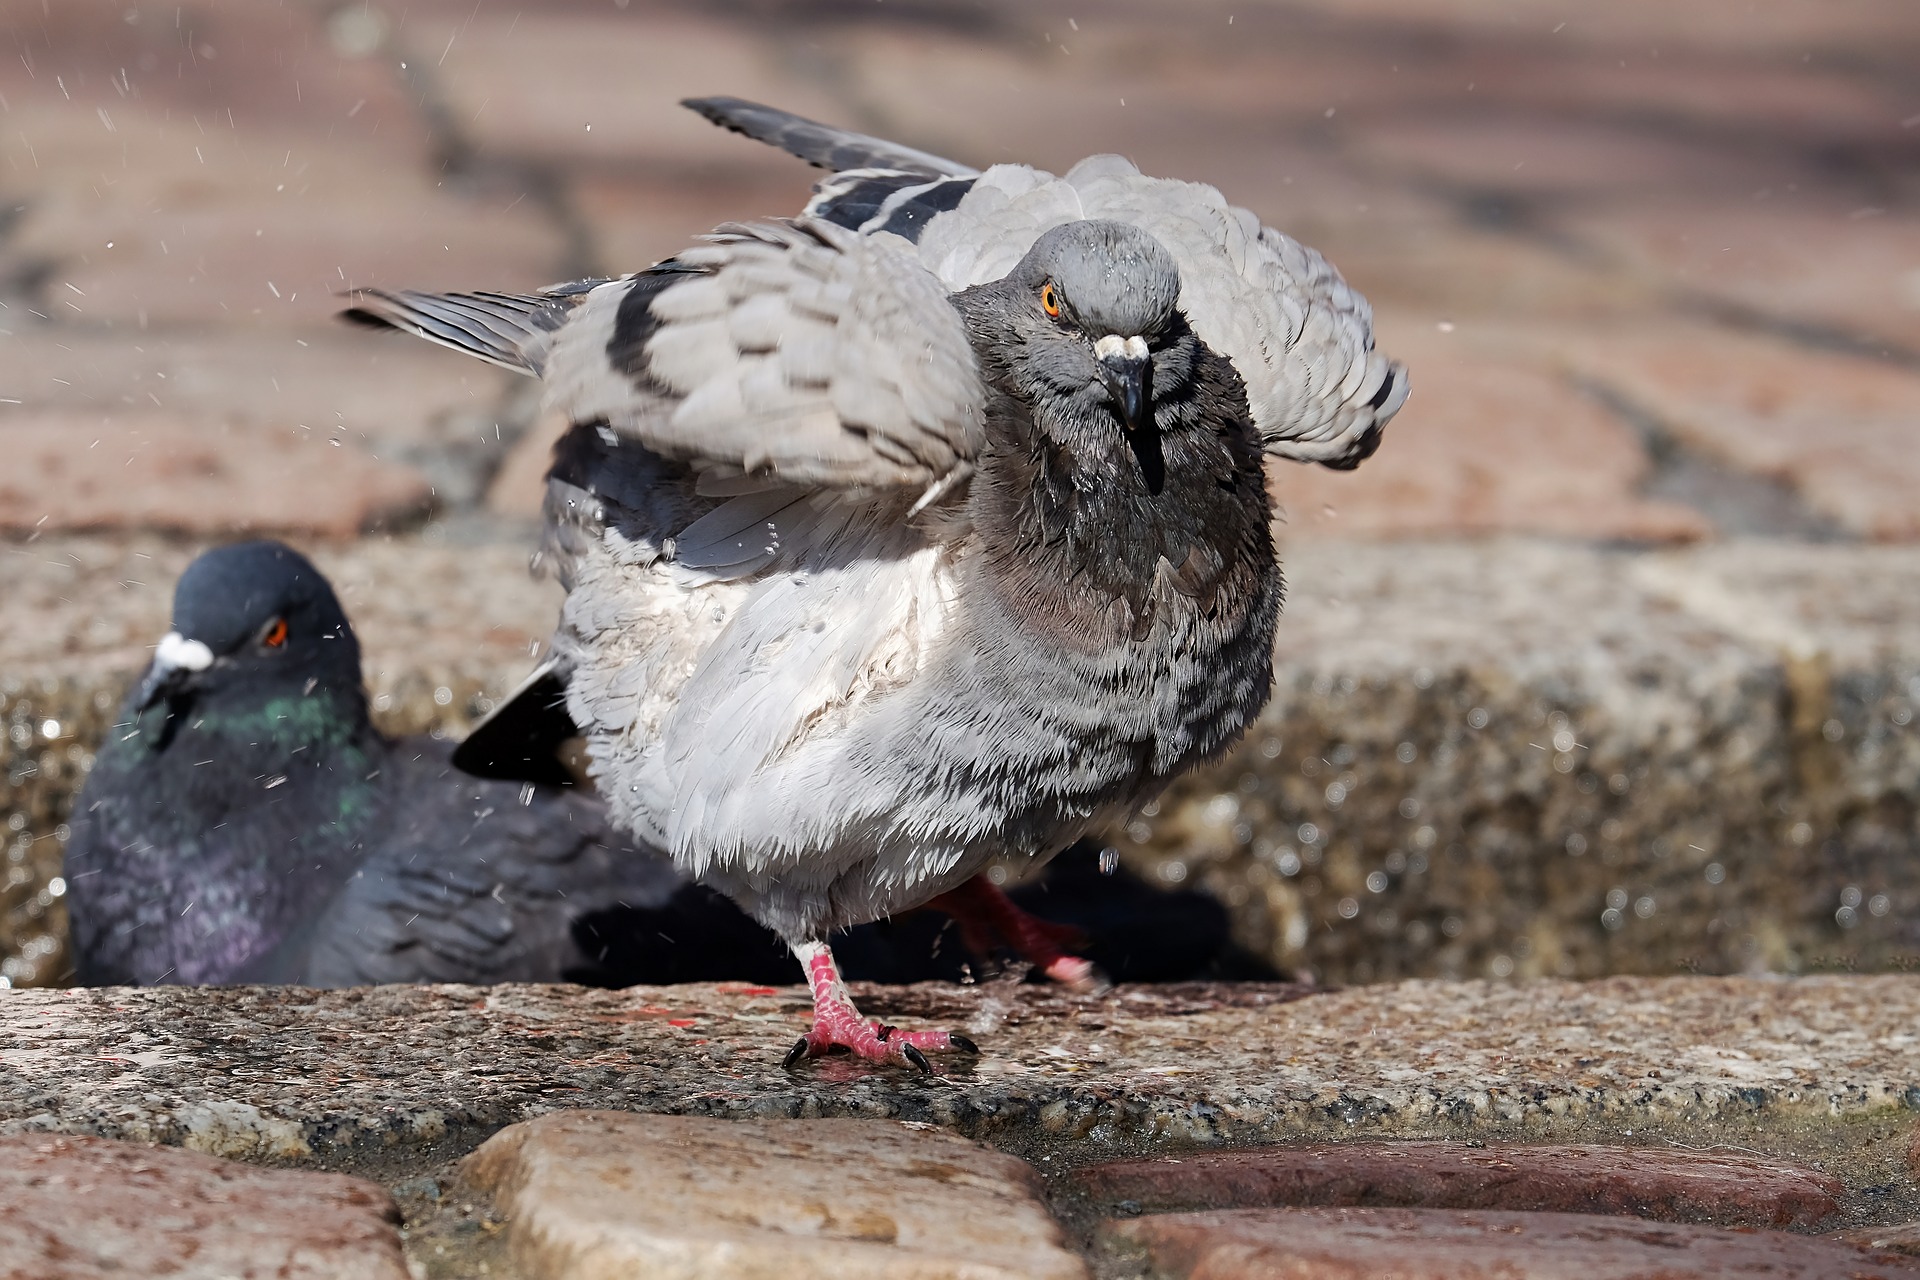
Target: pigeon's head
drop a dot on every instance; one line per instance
(253, 617)
(1097, 305)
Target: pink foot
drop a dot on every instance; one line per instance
(837, 1024)
(989, 918)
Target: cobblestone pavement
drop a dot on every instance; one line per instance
(1732, 1126)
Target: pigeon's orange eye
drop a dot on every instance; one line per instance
(1050, 299)
(276, 634)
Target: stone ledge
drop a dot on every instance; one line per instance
(348, 1077)
(1508, 758)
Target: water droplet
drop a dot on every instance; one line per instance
(1348, 908)
(1109, 860)
(1377, 882)
(1715, 873)
(1643, 907)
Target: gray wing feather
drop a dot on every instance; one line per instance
(821, 145)
(512, 330)
(1300, 337)
(476, 885)
(798, 350)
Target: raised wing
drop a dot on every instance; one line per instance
(1301, 339)
(512, 330)
(821, 145)
(797, 352)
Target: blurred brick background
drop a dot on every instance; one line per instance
(1655, 265)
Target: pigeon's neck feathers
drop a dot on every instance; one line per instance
(1062, 505)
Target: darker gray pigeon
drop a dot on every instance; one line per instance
(925, 529)
(245, 822)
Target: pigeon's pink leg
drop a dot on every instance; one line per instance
(986, 916)
(837, 1024)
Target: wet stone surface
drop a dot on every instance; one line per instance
(1442, 1244)
(1674, 1185)
(77, 1208)
(289, 1074)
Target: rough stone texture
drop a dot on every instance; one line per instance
(290, 1074)
(77, 1208)
(1523, 759)
(597, 1195)
(1676, 1185)
(1441, 1244)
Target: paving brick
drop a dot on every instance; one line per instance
(1842, 431)
(562, 90)
(520, 485)
(75, 1208)
(1535, 155)
(595, 1195)
(1488, 443)
(1444, 1244)
(1671, 1184)
(1902, 1238)
(229, 165)
(165, 225)
(1638, 27)
(379, 390)
(156, 470)
(1851, 266)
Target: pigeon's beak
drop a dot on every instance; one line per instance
(1127, 368)
(175, 663)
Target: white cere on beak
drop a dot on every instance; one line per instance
(1114, 346)
(181, 654)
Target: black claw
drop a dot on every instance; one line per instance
(918, 1059)
(794, 1054)
(884, 1033)
(961, 1043)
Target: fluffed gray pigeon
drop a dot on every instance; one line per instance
(926, 528)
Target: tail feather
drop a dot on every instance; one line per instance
(822, 145)
(512, 330)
